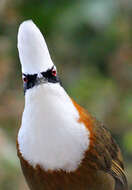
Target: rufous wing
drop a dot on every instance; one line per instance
(103, 154)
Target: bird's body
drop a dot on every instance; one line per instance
(60, 145)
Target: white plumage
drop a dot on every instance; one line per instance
(50, 134)
(33, 51)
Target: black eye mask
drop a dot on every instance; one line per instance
(32, 80)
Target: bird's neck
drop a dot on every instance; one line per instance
(50, 134)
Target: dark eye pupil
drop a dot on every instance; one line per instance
(25, 79)
(53, 72)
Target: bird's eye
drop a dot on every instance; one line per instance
(25, 79)
(54, 72)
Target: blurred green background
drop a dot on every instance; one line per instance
(90, 41)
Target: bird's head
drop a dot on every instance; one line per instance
(37, 66)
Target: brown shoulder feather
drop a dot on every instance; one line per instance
(103, 154)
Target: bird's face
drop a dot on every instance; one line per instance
(32, 80)
(37, 66)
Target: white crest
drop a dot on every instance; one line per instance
(33, 51)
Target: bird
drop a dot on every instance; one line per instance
(60, 145)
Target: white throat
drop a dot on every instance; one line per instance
(50, 134)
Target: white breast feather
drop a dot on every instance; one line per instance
(50, 134)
